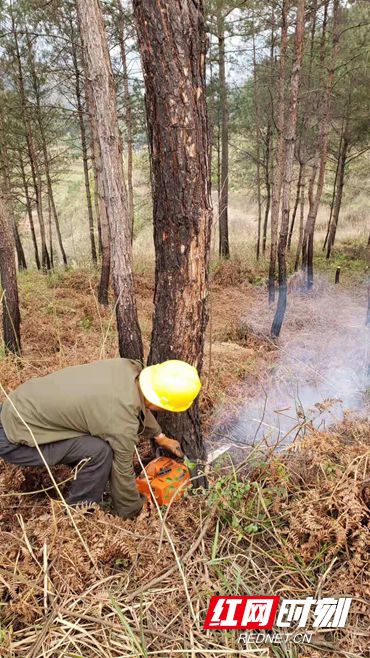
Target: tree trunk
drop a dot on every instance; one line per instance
(103, 290)
(53, 208)
(311, 186)
(276, 187)
(103, 96)
(212, 104)
(81, 123)
(128, 117)
(268, 185)
(36, 176)
(97, 201)
(334, 189)
(339, 178)
(7, 187)
(224, 247)
(268, 142)
(257, 131)
(218, 165)
(172, 44)
(296, 204)
(22, 263)
(100, 204)
(322, 146)
(290, 138)
(338, 197)
(8, 275)
(301, 220)
(37, 185)
(21, 258)
(51, 250)
(29, 211)
(303, 156)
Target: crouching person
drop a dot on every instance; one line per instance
(94, 414)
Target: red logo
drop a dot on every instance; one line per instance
(241, 612)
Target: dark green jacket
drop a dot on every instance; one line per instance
(102, 399)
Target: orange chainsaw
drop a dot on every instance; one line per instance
(169, 480)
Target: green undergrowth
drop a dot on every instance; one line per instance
(285, 527)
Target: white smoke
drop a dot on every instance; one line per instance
(322, 370)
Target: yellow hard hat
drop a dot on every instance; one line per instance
(172, 385)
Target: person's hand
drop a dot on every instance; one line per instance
(171, 445)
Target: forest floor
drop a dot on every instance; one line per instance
(292, 523)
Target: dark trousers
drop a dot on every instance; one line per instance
(91, 479)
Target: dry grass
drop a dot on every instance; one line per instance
(63, 324)
(309, 536)
(71, 204)
(296, 525)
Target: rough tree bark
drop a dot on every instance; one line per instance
(8, 275)
(100, 203)
(224, 246)
(277, 181)
(100, 206)
(172, 45)
(290, 138)
(103, 94)
(128, 116)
